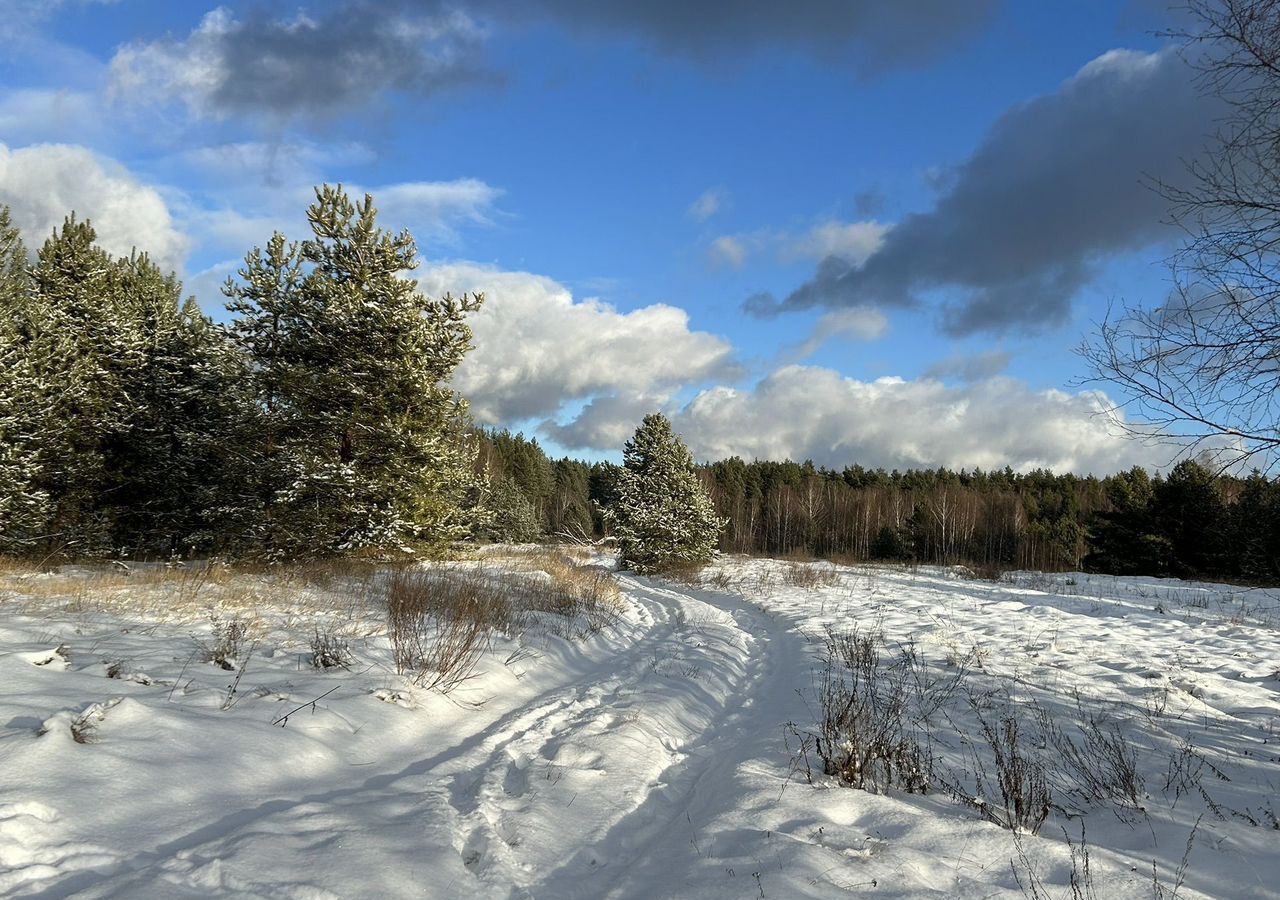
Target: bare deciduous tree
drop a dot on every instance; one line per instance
(1205, 366)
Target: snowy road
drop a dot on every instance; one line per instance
(596, 785)
(646, 760)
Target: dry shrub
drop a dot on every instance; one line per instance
(1017, 794)
(441, 622)
(810, 576)
(1103, 763)
(682, 572)
(329, 650)
(229, 638)
(987, 571)
(721, 579)
(593, 595)
(865, 738)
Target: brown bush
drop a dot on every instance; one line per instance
(440, 622)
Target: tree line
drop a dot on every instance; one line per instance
(1192, 522)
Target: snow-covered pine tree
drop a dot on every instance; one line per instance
(117, 399)
(78, 349)
(182, 409)
(662, 517)
(23, 506)
(511, 519)
(363, 442)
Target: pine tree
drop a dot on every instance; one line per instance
(1255, 535)
(1123, 539)
(117, 401)
(23, 505)
(1189, 511)
(363, 444)
(170, 461)
(79, 351)
(662, 516)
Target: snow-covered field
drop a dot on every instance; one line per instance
(648, 758)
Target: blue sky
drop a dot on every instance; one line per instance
(832, 230)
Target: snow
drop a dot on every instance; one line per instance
(645, 759)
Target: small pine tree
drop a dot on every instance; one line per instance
(512, 518)
(662, 516)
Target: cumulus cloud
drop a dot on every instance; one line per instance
(41, 184)
(874, 36)
(971, 367)
(606, 422)
(537, 347)
(1056, 186)
(806, 412)
(303, 67)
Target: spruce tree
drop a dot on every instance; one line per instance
(363, 444)
(511, 518)
(662, 517)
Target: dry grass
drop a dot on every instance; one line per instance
(190, 592)
(439, 616)
(562, 580)
(441, 619)
(810, 575)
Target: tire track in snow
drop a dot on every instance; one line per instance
(647, 848)
(427, 776)
(589, 788)
(558, 789)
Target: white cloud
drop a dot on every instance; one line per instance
(435, 209)
(729, 251)
(852, 242)
(537, 348)
(857, 323)
(708, 204)
(43, 183)
(189, 71)
(805, 412)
